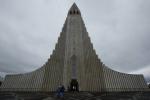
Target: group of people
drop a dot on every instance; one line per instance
(60, 91)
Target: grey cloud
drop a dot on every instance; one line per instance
(120, 35)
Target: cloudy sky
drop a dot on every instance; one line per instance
(119, 31)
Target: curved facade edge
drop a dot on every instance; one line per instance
(118, 81)
(31, 81)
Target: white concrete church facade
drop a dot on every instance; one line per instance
(74, 58)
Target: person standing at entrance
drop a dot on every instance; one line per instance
(60, 91)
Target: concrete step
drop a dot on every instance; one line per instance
(75, 96)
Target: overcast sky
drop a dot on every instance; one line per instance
(119, 31)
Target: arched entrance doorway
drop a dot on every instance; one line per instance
(74, 86)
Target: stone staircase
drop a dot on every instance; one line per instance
(75, 96)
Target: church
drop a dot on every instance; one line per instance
(74, 63)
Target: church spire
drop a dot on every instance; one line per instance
(74, 10)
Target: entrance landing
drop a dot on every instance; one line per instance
(75, 96)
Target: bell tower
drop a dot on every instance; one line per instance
(74, 56)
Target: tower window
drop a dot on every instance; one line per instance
(77, 12)
(74, 12)
(70, 12)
